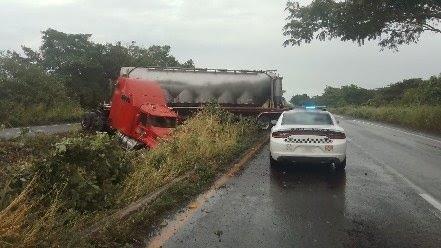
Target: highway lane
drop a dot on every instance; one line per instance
(10, 133)
(387, 197)
(414, 157)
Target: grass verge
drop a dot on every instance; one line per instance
(81, 180)
(423, 117)
(17, 159)
(18, 116)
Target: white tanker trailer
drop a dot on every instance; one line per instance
(227, 87)
(251, 93)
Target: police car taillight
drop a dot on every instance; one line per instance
(280, 134)
(336, 135)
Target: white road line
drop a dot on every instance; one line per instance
(395, 129)
(398, 130)
(421, 192)
(432, 201)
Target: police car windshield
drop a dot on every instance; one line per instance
(306, 118)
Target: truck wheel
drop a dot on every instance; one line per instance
(264, 122)
(100, 123)
(341, 166)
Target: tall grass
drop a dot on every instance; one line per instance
(206, 142)
(421, 117)
(17, 161)
(86, 178)
(39, 114)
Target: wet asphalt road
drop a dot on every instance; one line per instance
(387, 197)
(10, 133)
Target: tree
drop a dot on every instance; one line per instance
(355, 95)
(75, 59)
(410, 92)
(299, 100)
(393, 22)
(28, 94)
(67, 74)
(87, 67)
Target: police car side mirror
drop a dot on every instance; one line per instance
(273, 122)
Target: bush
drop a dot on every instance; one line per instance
(29, 95)
(66, 187)
(422, 117)
(17, 160)
(83, 179)
(85, 172)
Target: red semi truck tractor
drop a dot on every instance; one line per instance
(147, 102)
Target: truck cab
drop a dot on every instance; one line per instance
(154, 122)
(139, 113)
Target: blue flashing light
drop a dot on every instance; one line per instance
(310, 107)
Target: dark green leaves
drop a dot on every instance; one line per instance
(84, 172)
(67, 74)
(410, 92)
(392, 22)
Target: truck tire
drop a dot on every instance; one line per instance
(264, 122)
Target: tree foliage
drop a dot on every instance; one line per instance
(29, 94)
(299, 100)
(393, 22)
(67, 69)
(87, 67)
(408, 92)
(84, 172)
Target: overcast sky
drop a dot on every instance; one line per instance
(231, 34)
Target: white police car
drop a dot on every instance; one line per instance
(308, 135)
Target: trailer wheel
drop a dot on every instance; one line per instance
(264, 122)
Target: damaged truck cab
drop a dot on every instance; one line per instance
(139, 113)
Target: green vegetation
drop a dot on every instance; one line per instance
(53, 196)
(413, 103)
(65, 186)
(28, 95)
(426, 118)
(17, 158)
(67, 74)
(193, 147)
(393, 22)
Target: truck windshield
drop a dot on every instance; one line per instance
(306, 118)
(157, 121)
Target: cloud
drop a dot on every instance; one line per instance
(223, 34)
(41, 3)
